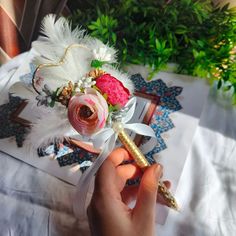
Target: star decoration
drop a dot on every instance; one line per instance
(168, 104)
(8, 127)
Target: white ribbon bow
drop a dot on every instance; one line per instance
(106, 140)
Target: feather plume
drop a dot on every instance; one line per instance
(57, 36)
(51, 127)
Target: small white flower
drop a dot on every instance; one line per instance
(86, 82)
(79, 83)
(78, 89)
(102, 54)
(89, 79)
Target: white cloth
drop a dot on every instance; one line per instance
(35, 203)
(207, 188)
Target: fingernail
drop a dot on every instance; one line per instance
(158, 171)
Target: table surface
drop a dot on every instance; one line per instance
(35, 203)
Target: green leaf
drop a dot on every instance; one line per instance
(158, 45)
(112, 108)
(181, 29)
(113, 36)
(92, 27)
(225, 7)
(57, 92)
(52, 103)
(105, 96)
(104, 31)
(167, 51)
(141, 41)
(234, 99)
(195, 53)
(200, 43)
(125, 41)
(187, 2)
(219, 84)
(97, 63)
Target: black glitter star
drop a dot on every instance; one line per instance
(8, 127)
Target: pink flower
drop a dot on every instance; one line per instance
(87, 112)
(116, 93)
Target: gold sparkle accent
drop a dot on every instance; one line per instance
(66, 93)
(96, 73)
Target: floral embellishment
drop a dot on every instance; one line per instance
(88, 112)
(45, 98)
(103, 54)
(65, 93)
(115, 91)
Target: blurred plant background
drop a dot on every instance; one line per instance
(197, 35)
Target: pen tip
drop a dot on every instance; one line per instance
(175, 207)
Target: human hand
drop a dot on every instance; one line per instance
(109, 213)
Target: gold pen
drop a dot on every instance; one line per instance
(142, 162)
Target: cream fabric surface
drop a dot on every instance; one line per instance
(35, 203)
(207, 188)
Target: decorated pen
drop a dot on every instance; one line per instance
(85, 97)
(142, 162)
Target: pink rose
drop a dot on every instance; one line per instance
(116, 93)
(87, 112)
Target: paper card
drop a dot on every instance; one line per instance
(173, 115)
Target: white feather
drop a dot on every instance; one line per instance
(51, 127)
(59, 31)
(22, 91)
(57, 37)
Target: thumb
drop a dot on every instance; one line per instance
(147, 194)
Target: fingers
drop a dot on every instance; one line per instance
(113, 176)
(107, 180)
(147, 194)
(129, 194)
(118, 156)
(128, 171)
(107, 174)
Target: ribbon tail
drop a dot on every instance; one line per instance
(131, 105)
(100, 138)
(141, 129)
(148, 146)
(79, 203)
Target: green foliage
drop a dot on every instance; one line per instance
(104, 28)
(195, 34)
(97, 63)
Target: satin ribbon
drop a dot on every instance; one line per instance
(106, 140)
